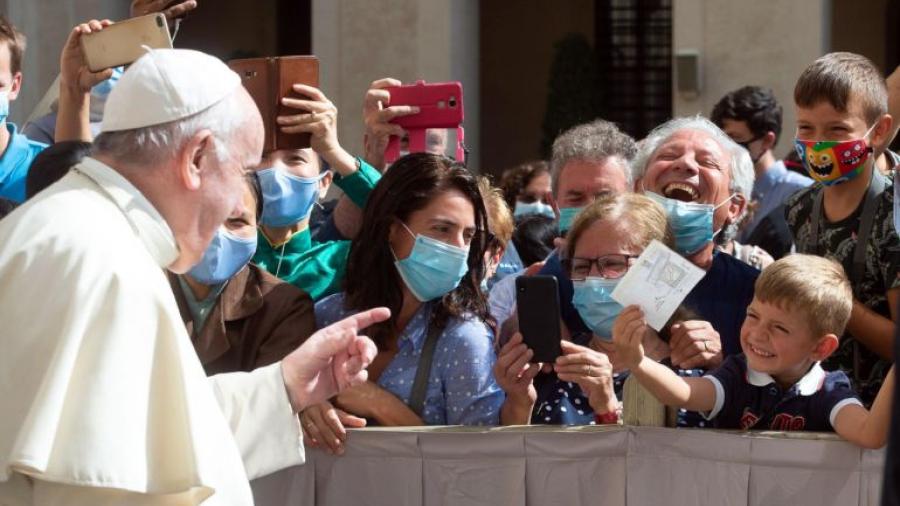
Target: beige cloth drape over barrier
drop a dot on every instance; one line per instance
(517, 466)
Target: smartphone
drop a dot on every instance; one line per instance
(537, 306)
(270, 79)
(123, 43)
(440, 104)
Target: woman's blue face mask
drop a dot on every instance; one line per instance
(529, 208)
(433, 268)
(592, 298)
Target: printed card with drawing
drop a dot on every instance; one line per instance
(658, 282)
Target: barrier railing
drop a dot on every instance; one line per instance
(612, 465)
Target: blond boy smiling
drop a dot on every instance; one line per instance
(801, 305)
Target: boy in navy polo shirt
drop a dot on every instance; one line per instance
(16, 150)
(801, 305)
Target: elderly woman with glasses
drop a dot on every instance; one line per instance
(579, 389)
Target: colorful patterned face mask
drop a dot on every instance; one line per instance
(834, 162)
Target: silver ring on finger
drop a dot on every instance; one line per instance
(706, 346)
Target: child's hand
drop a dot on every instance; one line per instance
(628, 335)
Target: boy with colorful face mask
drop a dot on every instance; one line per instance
(842, 123)
(292, 182)
(17, 150)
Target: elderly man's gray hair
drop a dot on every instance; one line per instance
(592, 142)
(741, 175)
(147, 146)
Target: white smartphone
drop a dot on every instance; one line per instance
(123, 43)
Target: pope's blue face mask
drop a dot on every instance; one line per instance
(226, 255)
(287, 199)
(567, 216)
(537, 207)
(592, 298)
(691, 222)
(4, 105)
(433, 268)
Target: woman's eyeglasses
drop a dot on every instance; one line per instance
(609, 266)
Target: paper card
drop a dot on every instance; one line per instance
(658, 282)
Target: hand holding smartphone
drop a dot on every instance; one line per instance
(537, 305)
(270, 79)
(440, 106)
(122, 43)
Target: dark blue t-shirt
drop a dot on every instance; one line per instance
(747, 399)
(721, 297)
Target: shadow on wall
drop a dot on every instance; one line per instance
(573, 91)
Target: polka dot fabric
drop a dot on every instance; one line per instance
(461, 386)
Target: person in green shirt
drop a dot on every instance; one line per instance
(292, 181)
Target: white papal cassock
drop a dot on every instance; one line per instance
(102, 398)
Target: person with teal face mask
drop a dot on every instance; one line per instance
(602, 244)
(239, 316)
(420, 253)
(17, 150)
(526, 188)
(703, 180)
(293, 182)
(589, 161)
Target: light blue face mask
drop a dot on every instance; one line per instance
(692, 223)
(537, 207)
(4, 105)
(287, 199)
(433, 268)
(567, 216)
(592, 299)
(102, 90)
(226, 255)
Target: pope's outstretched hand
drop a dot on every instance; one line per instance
(332, 359)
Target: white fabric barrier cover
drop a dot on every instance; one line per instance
(615, 466)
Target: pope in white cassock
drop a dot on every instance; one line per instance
(103, 398)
